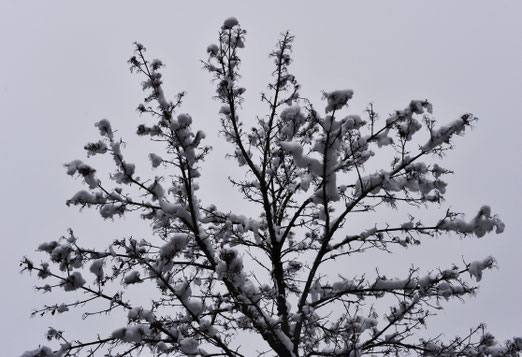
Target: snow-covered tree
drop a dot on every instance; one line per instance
(215, 275)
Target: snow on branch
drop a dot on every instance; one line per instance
(212, 276)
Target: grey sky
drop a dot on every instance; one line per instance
(64, 67)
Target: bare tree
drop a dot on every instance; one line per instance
(219, 274)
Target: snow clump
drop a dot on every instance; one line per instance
(104, 126)
(132, 278)
(476, 267)
(131, 333)
(230, 23)
(73, 282)
(97, 268)
(155, 160)
(481, 224)
(337, 99)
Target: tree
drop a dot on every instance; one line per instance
(217, 274)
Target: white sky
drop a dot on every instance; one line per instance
(63, 67)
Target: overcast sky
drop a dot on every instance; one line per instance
(63, 67)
